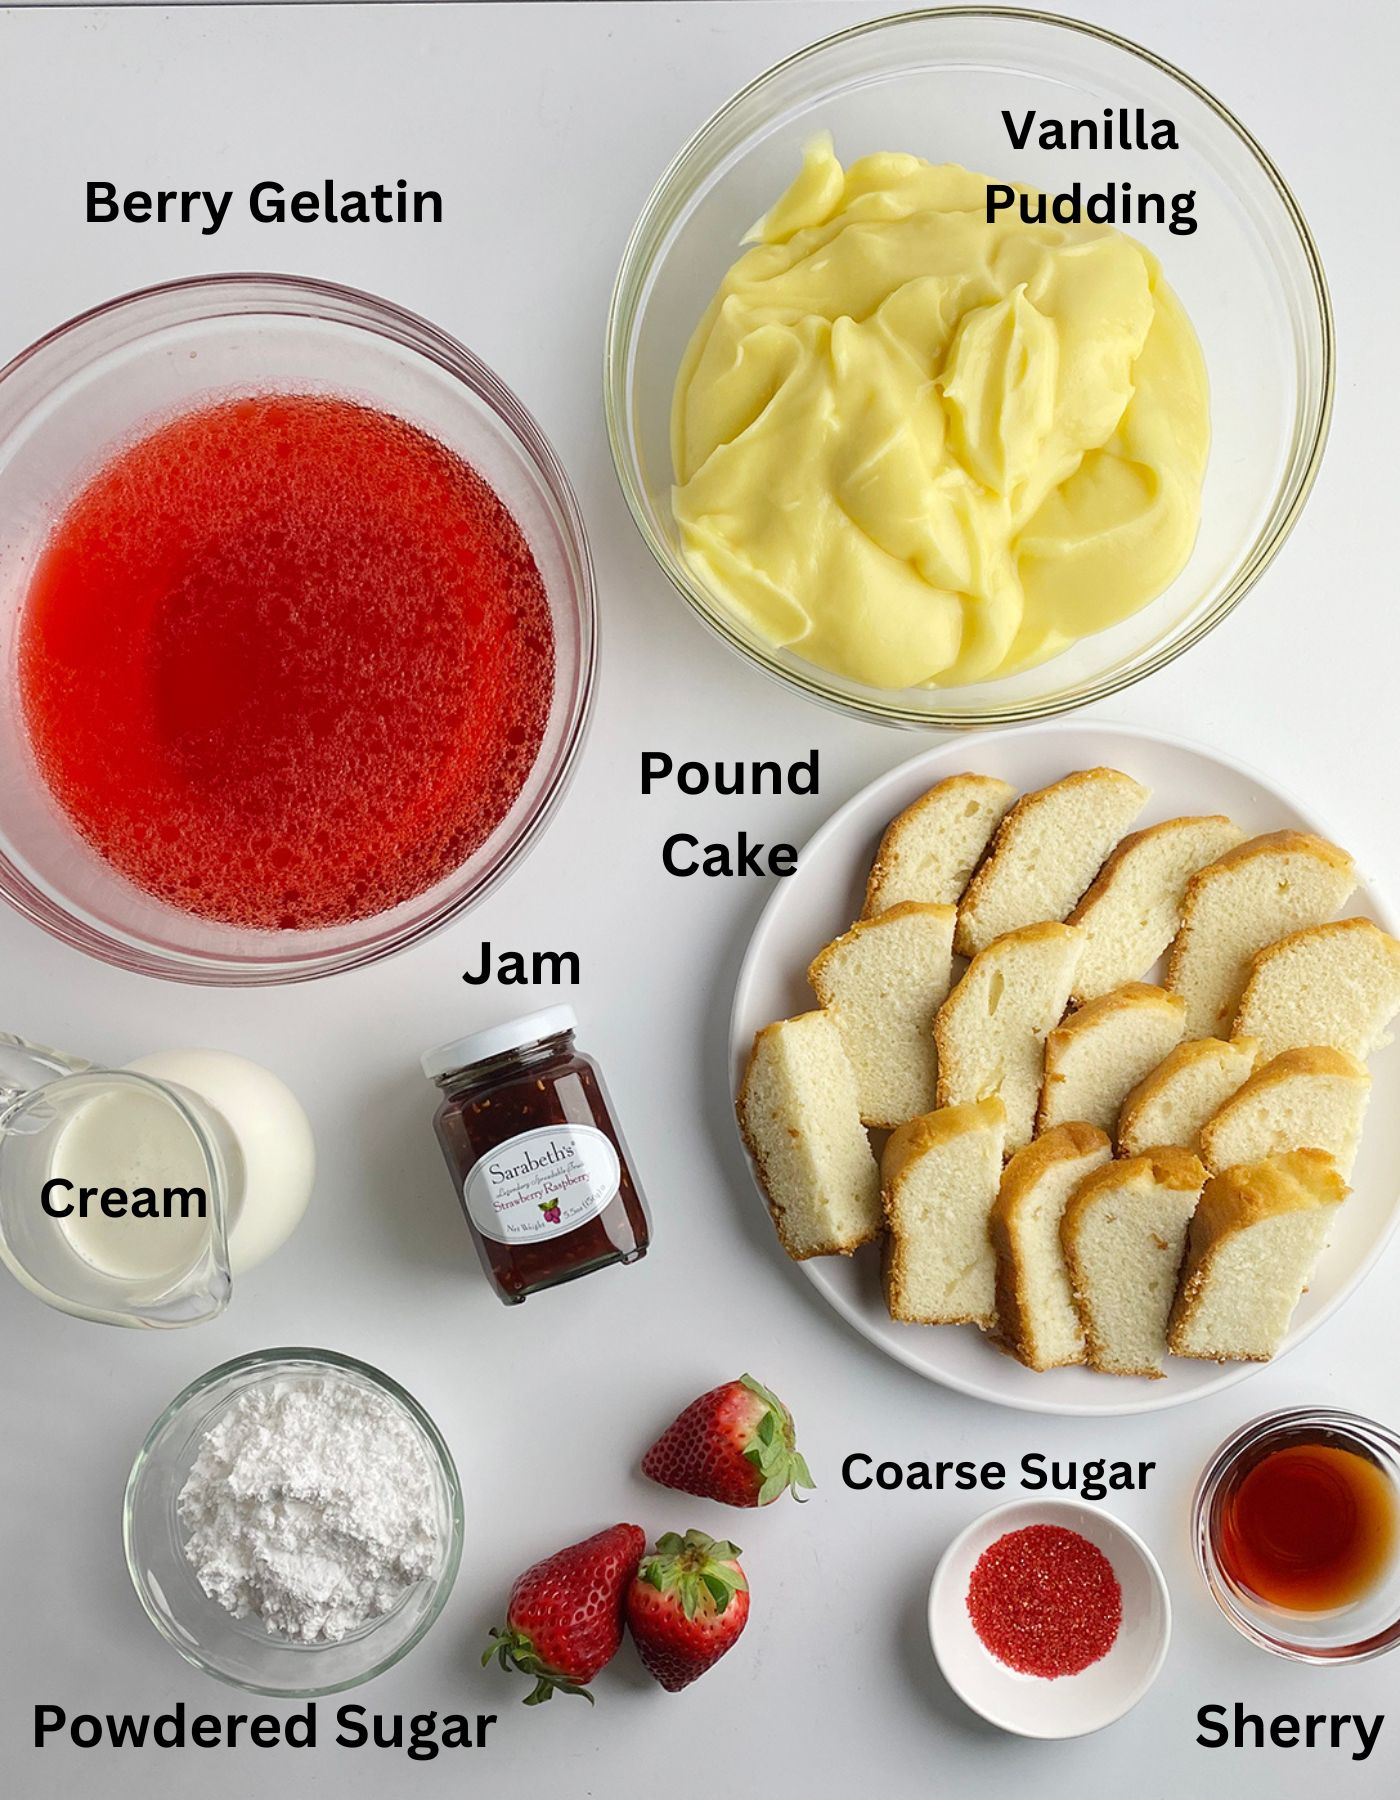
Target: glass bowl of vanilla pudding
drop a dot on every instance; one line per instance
(894, 485)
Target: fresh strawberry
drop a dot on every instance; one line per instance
(564, 1616)
(735, 1444)
(686, 1606)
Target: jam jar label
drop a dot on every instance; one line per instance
(542, 1183)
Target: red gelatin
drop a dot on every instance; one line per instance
(286, 662)
(1045, 1601)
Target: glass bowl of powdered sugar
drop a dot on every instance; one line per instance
(293, 1522)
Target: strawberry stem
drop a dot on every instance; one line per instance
(696, 1569)
(514, 1650)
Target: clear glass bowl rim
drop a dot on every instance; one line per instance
(657, 216)
(1365, 1432)
(216, 295)
(295, 1358)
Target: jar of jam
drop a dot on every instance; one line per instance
(539, 1163)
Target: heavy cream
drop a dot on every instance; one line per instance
(133, 1195)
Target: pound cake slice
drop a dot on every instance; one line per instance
(929, 852)
(1311, 1099)
(1132, 911)
(1036, 1316)
(1246, 899)
(1047, 850)
(1334, 984)
(940, 1176)
(800, 1119)
(991, 1029)
(883, 983)
(1187, 1088)
(1100, 1053)
(1254, 1243)
(1124, 1234)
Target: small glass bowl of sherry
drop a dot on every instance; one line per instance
(1296, 1523)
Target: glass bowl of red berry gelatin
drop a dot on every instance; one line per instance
(1049, 1618)
(297, 622)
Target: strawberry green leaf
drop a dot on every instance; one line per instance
(699, 1572)
(773, 1485)
(773, 1450)
(514, 1650)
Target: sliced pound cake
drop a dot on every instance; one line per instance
(1047, 850)
(991, 1029)
(929, 852)
(1334, 984)
(1246, 899)
(1036, 1316)
(1124, 1234)
(1100, 1053)
(1254, 1242)
(1188, 1087)
(801, 1121)
(940, 1176)
(1311, 1099)
(1132, 911)
(883, 983)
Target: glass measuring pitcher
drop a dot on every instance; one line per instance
(68, 1131)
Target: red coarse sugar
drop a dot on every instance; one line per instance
(1045, 1601)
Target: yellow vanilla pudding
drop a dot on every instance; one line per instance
(922, 450)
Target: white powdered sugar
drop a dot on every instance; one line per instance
(310, 1507)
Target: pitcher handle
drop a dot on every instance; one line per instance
(25, 1066)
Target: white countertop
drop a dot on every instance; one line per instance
(544, 127)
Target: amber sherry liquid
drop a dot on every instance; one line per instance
(1309, 1528)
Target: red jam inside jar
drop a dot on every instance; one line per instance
(539, 1164)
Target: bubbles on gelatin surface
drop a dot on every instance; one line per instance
(286, 662)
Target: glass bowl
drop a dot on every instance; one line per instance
(1368, 1626)
(100, 380)
(240, 1651)
(935, 83)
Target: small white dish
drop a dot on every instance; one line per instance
(1069, 1705)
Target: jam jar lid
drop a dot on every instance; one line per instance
(496, 1040)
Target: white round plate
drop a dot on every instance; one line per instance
(1069, 1705)
(813, 906)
